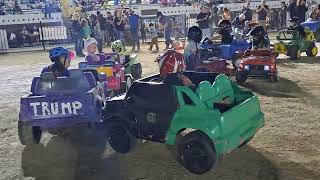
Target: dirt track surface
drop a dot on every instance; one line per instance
(287, 148)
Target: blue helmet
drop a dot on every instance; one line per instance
(54, 53)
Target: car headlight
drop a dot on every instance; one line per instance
(246, 67)
(266, 67)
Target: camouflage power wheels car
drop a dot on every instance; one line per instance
(204, 123)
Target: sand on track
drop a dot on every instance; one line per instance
(287, 148)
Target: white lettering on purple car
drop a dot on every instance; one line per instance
(55, 108)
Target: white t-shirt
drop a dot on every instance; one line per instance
(190, 48)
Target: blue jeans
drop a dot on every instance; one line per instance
(78, 45)
(120, 35)
(167, 37)
(135, 39)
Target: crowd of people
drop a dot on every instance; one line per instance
(124, 25)
(8, 7)
(106, 29)
(210, 15)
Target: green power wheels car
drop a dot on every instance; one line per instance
(292, 44)
(205, 122)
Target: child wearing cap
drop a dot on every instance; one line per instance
(90, 45)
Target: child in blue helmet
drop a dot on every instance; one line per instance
(61, 58)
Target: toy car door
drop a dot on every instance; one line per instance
(153, 106)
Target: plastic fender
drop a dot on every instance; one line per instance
(310, 35)
(211, 129)
(107, 70)
(280, 48)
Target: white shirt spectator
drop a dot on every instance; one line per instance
(10, 4)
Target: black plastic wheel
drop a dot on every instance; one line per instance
(294, 53)
(136, 71)
(196, 152)
(274, 78)
(28, 134)
(317, 35)
(312, 51)
(240, 78)
(119, 137)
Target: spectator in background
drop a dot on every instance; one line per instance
(239, 21)
(313, 7)
(85, 29)
(318, 11)
(154, 37)
(119, 25)
(10, 5)
(2, 13)
(291, 8)
(77, 35)
(301, 10)
(12, 40)
(2, 4)
(220, 13)
(247, 11)
(25, 36)
(134, 22)
(110, 28)
(98, 35)
(203, 19)
(263, 13)
(103, 26)
(226, 14)
(34, 34)
(17, 8)
(313, 17)
(143, 31)
(283, 16)
(215, 16)
(166, 23)
(48, 7)
(176, 29)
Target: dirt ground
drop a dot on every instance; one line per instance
(287, 148)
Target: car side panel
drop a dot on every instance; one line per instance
(152, 107)
(60, 110)
(241, 122)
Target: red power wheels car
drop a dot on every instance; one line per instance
(257, 64)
